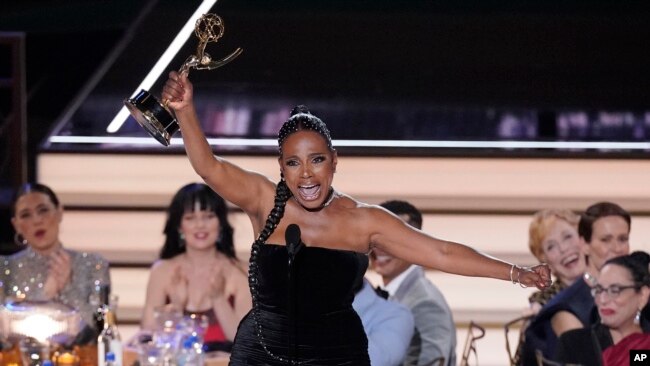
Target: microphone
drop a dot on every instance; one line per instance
(292, 238)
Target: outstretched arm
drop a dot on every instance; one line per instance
(241, 187)
(396, 237)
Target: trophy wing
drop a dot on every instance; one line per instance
(218, 63)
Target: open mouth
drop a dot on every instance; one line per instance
(39, 233)
(570, 260)
(201, 236)
(309, 192)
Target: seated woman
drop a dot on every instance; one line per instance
(622, 290)
(198, 271)
(604, 231)
(553, 239)
(45, 270)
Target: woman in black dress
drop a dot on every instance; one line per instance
(309, 236)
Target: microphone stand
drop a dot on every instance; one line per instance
(293, 243)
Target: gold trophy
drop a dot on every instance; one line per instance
(154, 116)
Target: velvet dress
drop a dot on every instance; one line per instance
(302, 309)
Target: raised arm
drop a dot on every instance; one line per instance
(391, 234)
(241, 187)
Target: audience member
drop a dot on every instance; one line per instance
(604, 231)
(621, 291)
(45, 270)
(198, 271)
(435, 331)
(553, 239)
(388, 325)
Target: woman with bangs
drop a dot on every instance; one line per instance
(198, 271)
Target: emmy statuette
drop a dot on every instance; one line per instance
(154, 116)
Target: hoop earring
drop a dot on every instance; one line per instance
(20, 240)
(637, 317)
(181, 239)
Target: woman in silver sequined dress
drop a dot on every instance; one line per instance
(44, 270)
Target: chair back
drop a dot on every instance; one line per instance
(474, 333)
(522, 322)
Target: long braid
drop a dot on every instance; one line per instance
(282, 194)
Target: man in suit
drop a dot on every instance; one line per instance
(435, 332)
(388, 324)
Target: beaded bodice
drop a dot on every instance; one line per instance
(317, 284)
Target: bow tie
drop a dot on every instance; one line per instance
(381, 292)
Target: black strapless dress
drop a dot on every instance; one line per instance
(303, 316)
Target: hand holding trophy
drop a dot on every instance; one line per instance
(154, 116)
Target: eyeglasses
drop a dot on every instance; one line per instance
(612, 291)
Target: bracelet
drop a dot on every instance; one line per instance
(519, 273)
(512, 270)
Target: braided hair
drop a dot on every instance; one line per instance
(282, 194)
(301, 119)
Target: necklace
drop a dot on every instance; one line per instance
(330, 197)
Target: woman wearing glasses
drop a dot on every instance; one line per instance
(621, 292)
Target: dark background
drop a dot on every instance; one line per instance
(540, 54)
(546, 55)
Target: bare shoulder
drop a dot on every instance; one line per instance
(363, 215)
(371, 212)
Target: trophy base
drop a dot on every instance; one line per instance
(152, 116)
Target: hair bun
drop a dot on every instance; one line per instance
(300, 109)
(641, 257)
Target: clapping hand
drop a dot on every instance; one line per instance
(177, 290)
(59, 273)
(217, 282)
